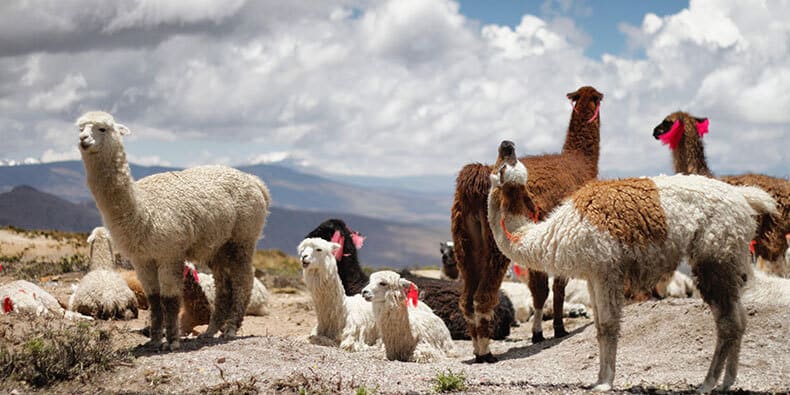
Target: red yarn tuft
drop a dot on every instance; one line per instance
(8, 305)
(339, 239)
(411, 295)
(672, 137)
(702, 127)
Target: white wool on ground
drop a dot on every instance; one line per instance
(259, 298)
(25, 297)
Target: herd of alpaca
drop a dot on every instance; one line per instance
(481, 264)
(607, 241)
(633, 231)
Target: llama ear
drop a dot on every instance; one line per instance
(335, 246)
(122, 129)
(702, 126)
(357, 239)
(410, 290)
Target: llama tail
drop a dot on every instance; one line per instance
(759, 200)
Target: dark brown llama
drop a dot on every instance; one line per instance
(683, 133)
(552, 177)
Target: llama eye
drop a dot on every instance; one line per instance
(102, 130)
(319, 250)
(383, 284)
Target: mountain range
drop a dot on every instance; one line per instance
(403, 226)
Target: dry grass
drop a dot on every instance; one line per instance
(279, 270)
(41, 351)
(32, 270)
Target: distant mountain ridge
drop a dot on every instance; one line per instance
(388, 243)
(290, 189)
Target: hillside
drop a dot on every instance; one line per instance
(388, 243)
(290, 189)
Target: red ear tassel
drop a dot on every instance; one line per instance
(8, 305)
(517, 270)
(751, 246)
(339, 239)
(411, 295)
(513, 239)
(535, 215)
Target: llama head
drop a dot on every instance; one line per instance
(388, 286)
(101, 251)
(98, 130)
(318, 254)
(335, 230)
(508, 169)
(449, 266)
(679, 125)
(586, 100)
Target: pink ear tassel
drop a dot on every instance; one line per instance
(702, 127)
(339, 239)
(411, 295)
(672, 137)
(597, 107)
(358, 239)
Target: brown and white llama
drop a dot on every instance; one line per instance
(683, 133)
(633, 231)
(554, 177)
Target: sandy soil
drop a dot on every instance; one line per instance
(664, 345)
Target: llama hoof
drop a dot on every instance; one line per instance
(603, 387)
(488, 358)
(229, 334)
(537, 337)
(560, 332)
(170, 346)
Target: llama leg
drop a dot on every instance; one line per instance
(609, 301)
(148, 275)
(719, 284)
(466, 303)
(558, 287)
(171, 283)
(241, 279)
(222, 302)
(485, 300)
(539, 288)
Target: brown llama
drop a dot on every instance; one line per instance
(683, 133)
(552, 178)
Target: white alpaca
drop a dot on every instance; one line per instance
(767, 290)
(103, 293)
(22, 296)
(211, 214)
(343, 320)
(409, 334)
(636, 230)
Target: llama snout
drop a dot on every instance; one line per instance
(367, 295)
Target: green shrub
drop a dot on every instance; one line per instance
(449, 382)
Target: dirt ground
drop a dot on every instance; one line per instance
(665, 346)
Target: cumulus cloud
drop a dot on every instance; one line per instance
(390, 87)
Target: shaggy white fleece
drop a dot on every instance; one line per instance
(409, 334)
(346, 321)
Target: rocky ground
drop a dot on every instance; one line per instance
(665, 346)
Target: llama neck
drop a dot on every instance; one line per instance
(525, 247)
(113, 188)
(328, 296)
(392, 318)
(583, 136)
(102, 256)
(689, 156)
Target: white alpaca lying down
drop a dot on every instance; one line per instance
(409, 334)
(22, 296)
(346, 321)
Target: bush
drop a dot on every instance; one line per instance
(449, 382)
(41, 351)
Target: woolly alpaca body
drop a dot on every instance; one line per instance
(481, 264)
(683, 133)
(103, 293)
(409, 334)
(636, 230)
(346, 321)
(767, 290)
(210, 214)
(22, 296)
(130, 277)
(441, 296)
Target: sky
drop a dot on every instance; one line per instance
(394, 87)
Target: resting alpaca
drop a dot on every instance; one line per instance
(210, 214)
(343, 320)
(409, 334)
(683, 133)
(481, 264)
(634, 231)
(441, 295)
(103, 293)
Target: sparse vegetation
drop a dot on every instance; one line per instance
(279, 270)
(233, 387)
(36, 268)
(314, 383)
(449, 382)
(40, 351)
(76, 239)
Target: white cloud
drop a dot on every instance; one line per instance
(51, 155)
(391, 87)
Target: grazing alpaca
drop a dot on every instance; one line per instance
(449, 267)
(441, 295)
(346, 321)
(408, 332)
(683, 133)
(481, 264)
(210, 214)
(103, 293)
(634, 231)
